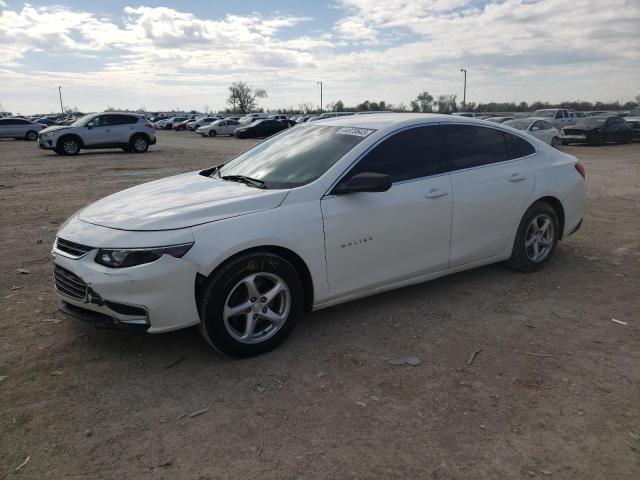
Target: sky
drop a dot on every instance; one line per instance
(184, 54)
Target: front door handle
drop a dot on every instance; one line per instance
(516, 177)
(436, 193)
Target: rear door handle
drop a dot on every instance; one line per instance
(436, 193)
(516, 177)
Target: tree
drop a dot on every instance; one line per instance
(242, 97)
(446, 104)
(338, 106)
(423, 103)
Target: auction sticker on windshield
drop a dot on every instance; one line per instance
(358, 132)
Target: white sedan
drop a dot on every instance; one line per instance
(539, 128)
(219, 127)
(314, 216)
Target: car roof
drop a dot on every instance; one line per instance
(379, 121)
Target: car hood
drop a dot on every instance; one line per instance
(53, 128)
(178, 202)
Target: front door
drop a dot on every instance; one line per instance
(376, 239)
(98, 132)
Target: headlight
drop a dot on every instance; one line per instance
(122, 258)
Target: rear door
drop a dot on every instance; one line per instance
(492, 184)
(5, 127)
(123, 127)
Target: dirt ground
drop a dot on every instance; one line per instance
(84, 403)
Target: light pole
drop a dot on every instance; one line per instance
(320, 83)
(464, 92)
(60, 94)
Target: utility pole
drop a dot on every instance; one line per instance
(60, 94)
(320, 83)
(464, 92)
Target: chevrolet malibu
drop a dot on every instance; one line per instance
(317, 215)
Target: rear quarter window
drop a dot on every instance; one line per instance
(517, 147)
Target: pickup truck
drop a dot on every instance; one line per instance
(558, 117)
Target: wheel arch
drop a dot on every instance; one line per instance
(77, 137)
(296, 260)
(556, 204)
(139, 134)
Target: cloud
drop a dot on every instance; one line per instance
(514, 49)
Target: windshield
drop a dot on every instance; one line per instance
(296, 157)
(82, 121)
(591, 121)
(544, 113)
(519, 124)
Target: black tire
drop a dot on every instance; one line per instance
(595, 140)
(69, 145)
(31, 135)
(522, 258)
(628, 138)
(212, 133)
(139, 144)
(220, 287)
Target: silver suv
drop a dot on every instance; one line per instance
(129, 131)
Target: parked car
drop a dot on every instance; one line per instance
(633, 119)
(469, 114)
(598, 130)
(47, 121)
(319, 215)
(19, 128)
(168, 123)
(180, 126)
(260, 128)
(219, 127)
(252, 117)
(498, 119)
(195, 124)
(278, 117)
(129, 131)
(558, 117)
(539, 128)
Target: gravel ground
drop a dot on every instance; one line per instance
(84, 403)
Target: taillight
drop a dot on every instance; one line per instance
(581, 171)
(149, 124)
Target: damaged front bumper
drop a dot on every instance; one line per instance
(156, 297)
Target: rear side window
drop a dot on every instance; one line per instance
(472, 146)
(414, 153)
(517, 147)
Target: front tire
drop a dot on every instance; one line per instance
(31, 136)
(595, 140)
(251, 305)
(536, 240)
(555, 142)
(69, 146)
(212, 133)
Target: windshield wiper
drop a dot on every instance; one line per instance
(253, 182)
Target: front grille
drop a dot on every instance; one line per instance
(72, 249)
(69, 284)
(569, 131)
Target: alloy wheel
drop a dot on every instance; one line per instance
(257, 307)
(539, 238)
(140, 144)
(70, 146)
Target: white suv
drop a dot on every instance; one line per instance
(129, 131)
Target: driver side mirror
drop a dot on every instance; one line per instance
(364, 182)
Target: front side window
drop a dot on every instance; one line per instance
(472, 146)
(414, 153)
(296, 157)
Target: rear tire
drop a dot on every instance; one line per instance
(251, 305)
(139, 144)
(536, 240)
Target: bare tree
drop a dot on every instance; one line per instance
(242, 97)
